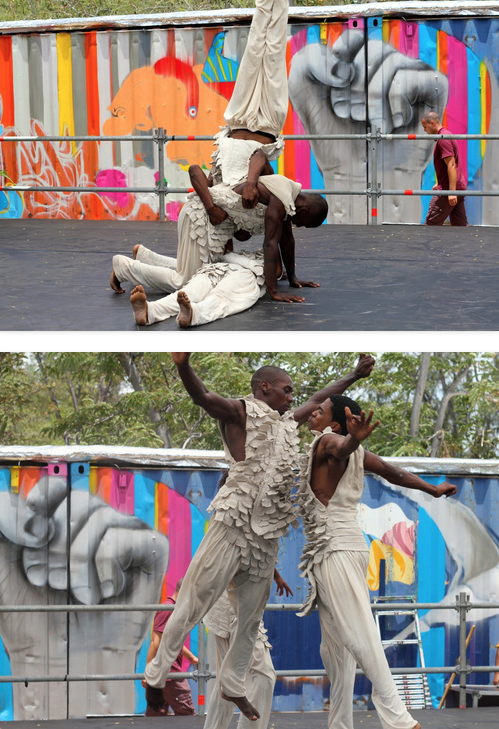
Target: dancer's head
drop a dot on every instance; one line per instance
(273, 386)
(331, 413)
(311, 210)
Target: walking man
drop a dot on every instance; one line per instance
(450, 176)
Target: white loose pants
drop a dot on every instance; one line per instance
(259, 101)
(153, 271)
(260, 682)
(214, 567)
(350, 636)
(237, 291)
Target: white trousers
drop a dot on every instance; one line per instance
(350, 636)
(260, 682)
(259, 101)
(214, 567)
(237, 291)
(153, 271)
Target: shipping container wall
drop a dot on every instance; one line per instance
(344, 78)
(85, 534)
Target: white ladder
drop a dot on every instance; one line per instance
(412, 688)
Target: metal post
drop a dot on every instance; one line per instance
(159, 138)
(373, 188)
(202, 670)
(463, 605)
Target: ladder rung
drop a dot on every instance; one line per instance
(408, 641)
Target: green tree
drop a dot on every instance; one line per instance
(429, 404)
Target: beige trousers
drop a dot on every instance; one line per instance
(215, 566)
(260, 682)
(259, 101)
(237, 291)
(350, 636)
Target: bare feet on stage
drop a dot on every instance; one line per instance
(155, 699)
(138, 301)
(115, 284)
(135, 251)
(418, 726)
(243, 705)
(185, 317)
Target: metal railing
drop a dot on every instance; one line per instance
(202, 675)
(373, 191)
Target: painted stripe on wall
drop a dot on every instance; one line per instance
(65, 87)
(79, 81)
(21, 90)
(50, 117)
(35, 82)
(106, 149)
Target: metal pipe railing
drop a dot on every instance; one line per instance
(463, 605)
(372, 192)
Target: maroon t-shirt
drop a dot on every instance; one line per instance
(160, 620)
(447, 148)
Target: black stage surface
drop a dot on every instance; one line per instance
(55, 277)
(485, 718)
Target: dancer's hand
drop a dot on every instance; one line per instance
(282, 587)
(249, 196)
(444, 489)
(297, 283)
(365, 365)
(359, 426)
(287, 298)
(216, 215)
(180, 358)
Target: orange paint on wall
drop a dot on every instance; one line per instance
(334, 30)
(28, 478)
(103, 484)
(146, 100)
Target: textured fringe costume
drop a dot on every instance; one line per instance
(250, 512)
(335, 560)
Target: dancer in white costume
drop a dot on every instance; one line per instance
(217, 290)
(335, 557)
(251, 512)
(255, 113)
(261, 676)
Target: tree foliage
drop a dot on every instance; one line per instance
(45, 9)
(137, 398)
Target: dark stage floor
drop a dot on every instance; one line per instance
(484, 718)
(55, 276)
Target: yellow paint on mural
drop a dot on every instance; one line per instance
(92, 480)
(399, 566)
(483, 105)
(65, 87)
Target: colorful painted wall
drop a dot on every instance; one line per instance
(87, 534)
(344, 76)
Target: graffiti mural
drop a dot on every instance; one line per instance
(344, 77)
(85, 534)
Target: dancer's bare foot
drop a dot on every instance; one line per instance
(135, 251)
(138, 301)
(244, 706)
(418, 726)
(185, 314)
(155, 699)
(115, 284)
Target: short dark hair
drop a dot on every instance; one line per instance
(268, 373)
(317, 209)
(338, 405)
